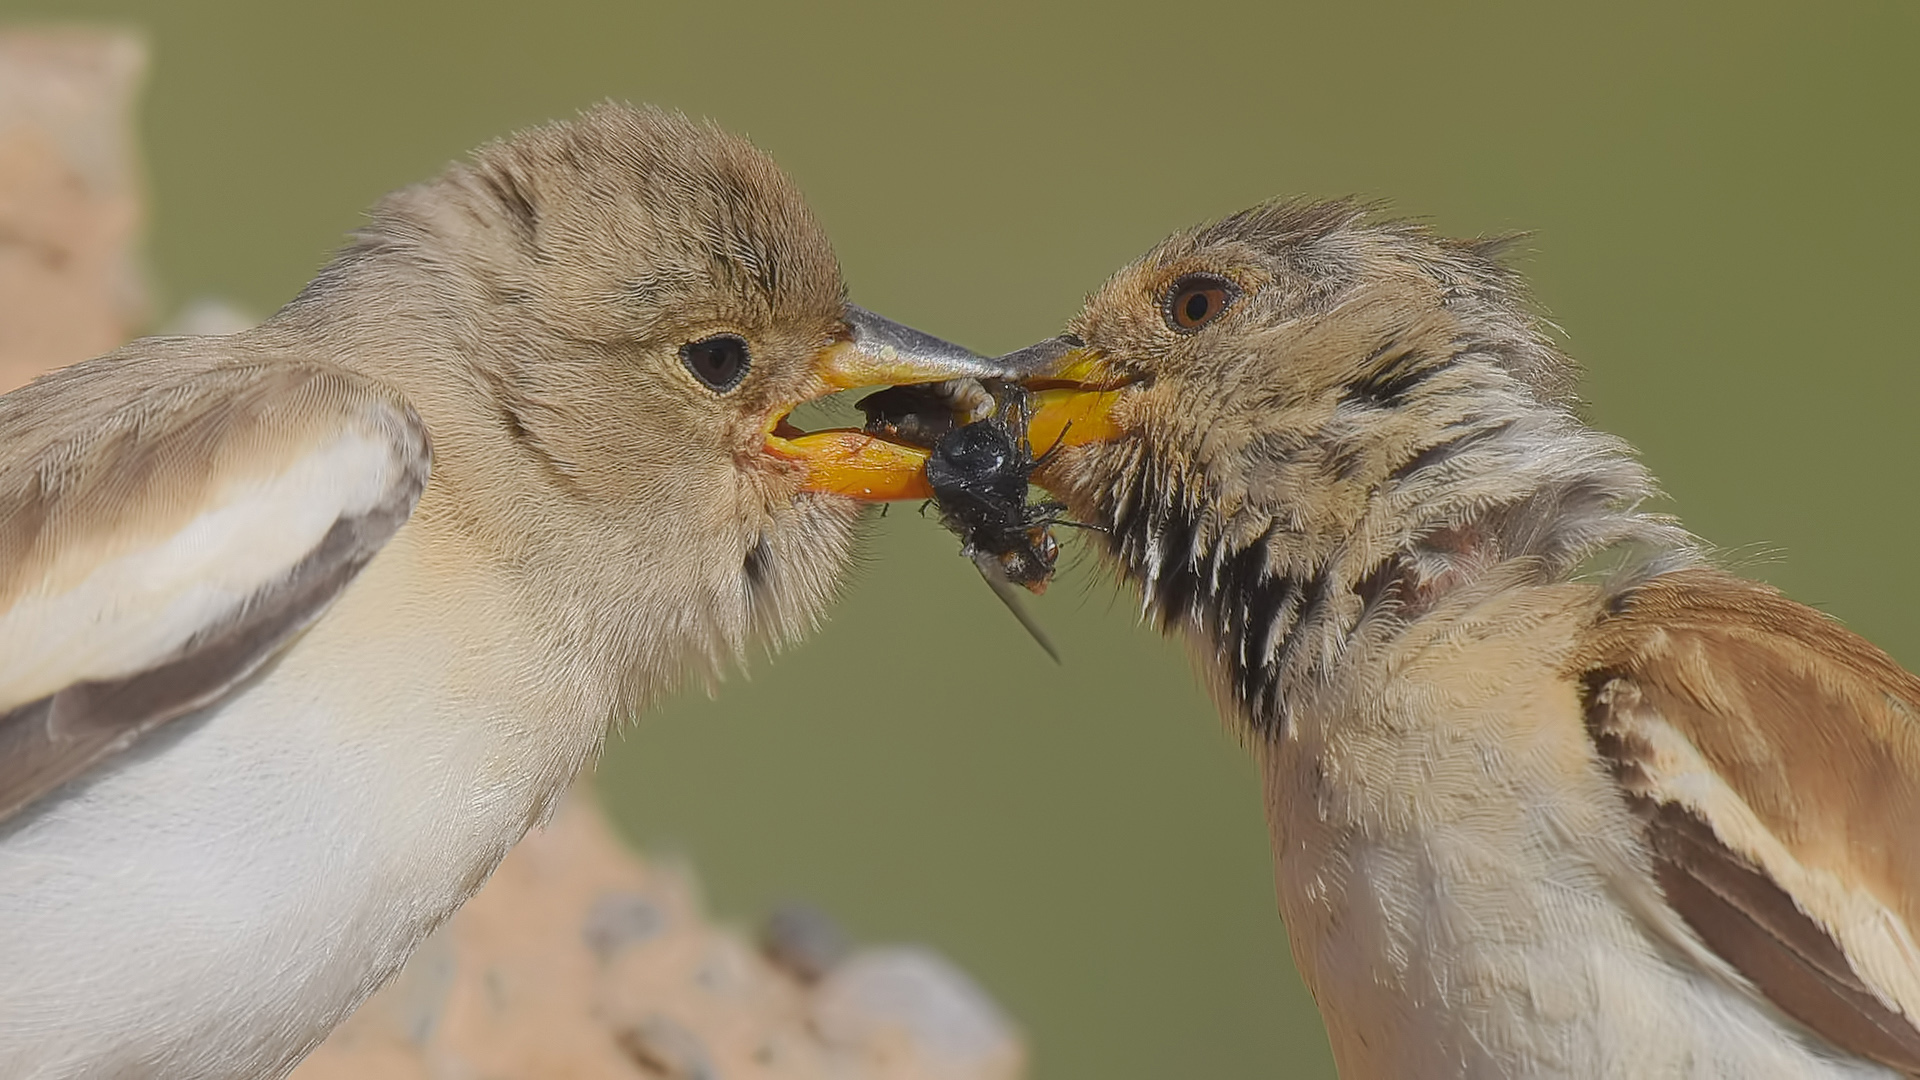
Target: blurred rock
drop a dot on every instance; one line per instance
(579, 960)
(70, 207)
(618, 920)
(804, 941)
(909, 1009)
(209, 316)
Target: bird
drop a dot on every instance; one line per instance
(1550, 791)
(301, 628)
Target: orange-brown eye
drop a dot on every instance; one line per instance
(1197, 299)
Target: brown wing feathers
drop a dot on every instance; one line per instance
(44, 743)
(1752, 923)
(52, 739)
(1811, 729)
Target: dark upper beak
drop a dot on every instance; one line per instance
(881, 352)
(884, 345)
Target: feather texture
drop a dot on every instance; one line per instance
(1774, 759)
(161, 555)
(335, 709)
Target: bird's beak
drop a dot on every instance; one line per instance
(1074, 392)
(853, 462)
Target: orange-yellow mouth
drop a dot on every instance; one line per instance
(1073, 400)
(849, 461)
(854, 463)
(1073, 404)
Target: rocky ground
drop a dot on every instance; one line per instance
(578, 960)
(70, 285)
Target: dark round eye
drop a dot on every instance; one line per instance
(1197, 299)
(720, 361)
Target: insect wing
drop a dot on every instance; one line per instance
(1009, 594)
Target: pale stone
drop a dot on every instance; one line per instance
(70, 203)
(580, 960)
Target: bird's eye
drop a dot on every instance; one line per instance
(1197, 299)
(720, 362)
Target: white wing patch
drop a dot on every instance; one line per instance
(1875, 940)
(162, 539)
(130, 612)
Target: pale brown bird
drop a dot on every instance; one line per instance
(1550, 795)
(276, 694)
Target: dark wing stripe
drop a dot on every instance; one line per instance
(47, 742)
(1737, 909)
(1753, 924)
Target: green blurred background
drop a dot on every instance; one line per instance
(1723, 205)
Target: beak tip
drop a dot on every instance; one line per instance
(1039, 360)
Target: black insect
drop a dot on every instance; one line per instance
(980, 469)
(980, 474)
(923, 413)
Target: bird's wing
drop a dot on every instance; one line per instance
(162, 536)
(1774, 759)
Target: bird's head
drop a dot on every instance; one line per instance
(1298, 422)
(622, 311)
(1292, 357)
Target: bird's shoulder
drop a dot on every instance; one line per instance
(170, 515)
(1773, 761)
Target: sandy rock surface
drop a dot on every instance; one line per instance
(578, 960)
(70, 206)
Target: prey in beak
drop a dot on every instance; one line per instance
(935, 388)
(966, 443)
(979, 467)
(872, 466)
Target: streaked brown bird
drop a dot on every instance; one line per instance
(1550, 795)
(277, 693)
